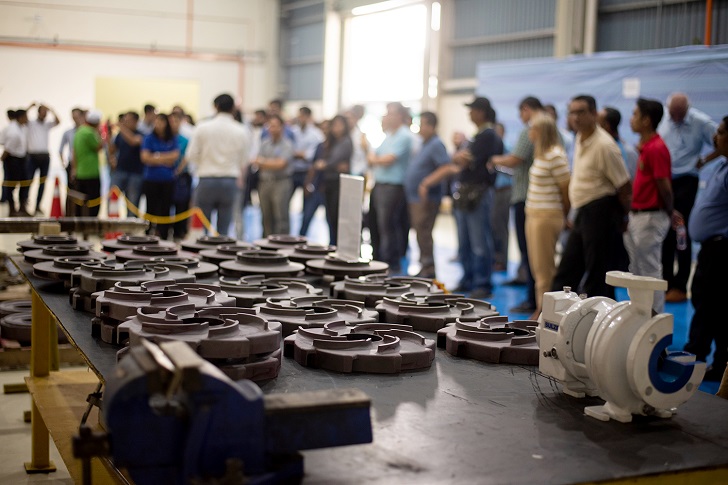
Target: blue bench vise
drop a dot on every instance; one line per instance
(174, 418)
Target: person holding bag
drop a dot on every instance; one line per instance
(472, 199)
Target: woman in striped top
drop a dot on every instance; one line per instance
(547, 202)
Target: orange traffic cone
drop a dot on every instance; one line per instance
(197, 229)
(56, 210)
(196, 221)
(112, 212)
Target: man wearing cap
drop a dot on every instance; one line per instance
(85, 162)
(14, 154)
(472, 197)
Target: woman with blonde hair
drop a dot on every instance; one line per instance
(547, 202)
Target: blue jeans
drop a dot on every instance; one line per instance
(311, 203)
(476, 244)
(129, 183)
(218, 194)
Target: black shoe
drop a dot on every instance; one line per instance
(22, 212)
(428, 273)
(524, 307)
(480, 294)
(515, 282)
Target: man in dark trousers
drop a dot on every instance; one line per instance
(38, 153)
(601, 191)
(686, 132)
(709, 226)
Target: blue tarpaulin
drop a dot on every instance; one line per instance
(613, 78)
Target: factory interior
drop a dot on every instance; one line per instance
(364, 242)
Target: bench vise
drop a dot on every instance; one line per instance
(174, 418)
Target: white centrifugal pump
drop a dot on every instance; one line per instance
(616, 350)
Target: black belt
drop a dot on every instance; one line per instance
(651, 209)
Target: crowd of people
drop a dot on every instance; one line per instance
(608, 204)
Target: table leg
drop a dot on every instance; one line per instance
(40, 366)
(40, 337)
(40, 461)
(55, 362)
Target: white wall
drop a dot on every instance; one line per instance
(453, 116)
(211, 30)
(104, 38)
(225, 26)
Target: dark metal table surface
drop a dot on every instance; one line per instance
(463, 421)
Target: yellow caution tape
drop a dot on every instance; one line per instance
(138, 213)
(163, 219)
(441, 286)
(22, 183)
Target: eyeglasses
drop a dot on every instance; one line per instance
(578, 112)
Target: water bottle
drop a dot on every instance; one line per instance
(681, 234)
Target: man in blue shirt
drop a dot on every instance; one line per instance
(685, 131)
(609, 119)
(708, 225)
(125, 161)
(423, 201)
(388, 206)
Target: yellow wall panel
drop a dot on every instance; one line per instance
(116, 95)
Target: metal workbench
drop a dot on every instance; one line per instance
(463, 421)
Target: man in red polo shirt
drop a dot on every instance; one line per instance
(652, 210)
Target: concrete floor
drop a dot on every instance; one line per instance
(15, 442)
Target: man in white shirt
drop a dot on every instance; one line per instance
(38, 155)
(358, 140)
(14, 155)
(219, 149)
(307, 137)
(146, 125)
(11, 117)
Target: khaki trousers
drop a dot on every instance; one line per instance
(543, 227)
(422, 217)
